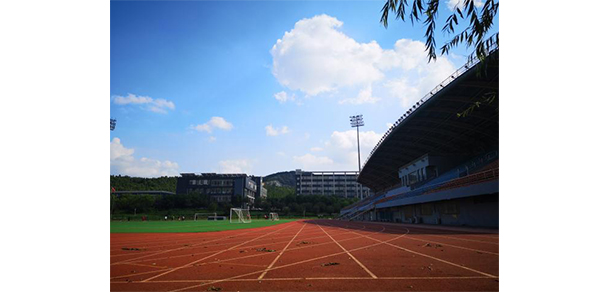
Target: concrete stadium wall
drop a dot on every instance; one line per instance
(477, 211)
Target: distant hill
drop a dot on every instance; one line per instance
(284, 178)
(127, 183)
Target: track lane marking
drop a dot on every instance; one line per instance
(442, 231)
(181, 248)
(287, 265)
(447, 244)
(316, 278)
(138, 259)
(248, 256)
(435, 258)
(199, 260)
(351, 255)
(455, 246)
(166, 243)
(281, 253)
(465, 239)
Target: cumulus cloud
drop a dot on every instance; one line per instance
(123, 162)
(283, 97)
(158, 105)
(364, 96)
(343, 146)
(271, 131)
(452, 4)
(312, 162)
(214, 123)
(235, 166)
(340, 151)
(315, 57)
(418, 76)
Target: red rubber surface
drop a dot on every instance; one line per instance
(309, 255)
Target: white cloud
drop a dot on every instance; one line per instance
(235, 166)
(214, 122)
(123, 162)
(452, 4)
(340, 151)
(316, 58)
(418, 76)
(343, 147)
(158, 105)
(312, 162)
(364, 96)
(271, 131)
(282, 97)
(212, 139)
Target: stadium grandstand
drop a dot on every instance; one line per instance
(439, 163)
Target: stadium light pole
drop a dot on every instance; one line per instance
(357, 122)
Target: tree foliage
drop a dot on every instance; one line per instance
(279, 191)
(127, 183)
(281, 199)
(479, 22)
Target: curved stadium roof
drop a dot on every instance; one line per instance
(433, 126)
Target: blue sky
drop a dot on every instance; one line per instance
(259, 87)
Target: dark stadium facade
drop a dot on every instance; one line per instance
(222, 187)
(439, 163)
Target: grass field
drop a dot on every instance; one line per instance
(186, 226)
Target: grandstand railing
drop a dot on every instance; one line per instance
(474, 178)
(472, 61)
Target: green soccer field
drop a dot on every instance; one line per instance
(186, 226)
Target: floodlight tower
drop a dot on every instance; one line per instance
(112, 124)
(357, 122)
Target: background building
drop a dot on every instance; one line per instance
(329, 183)
(222, 187)
(439, 163)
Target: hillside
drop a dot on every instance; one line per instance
(284, 178)
(127, 183)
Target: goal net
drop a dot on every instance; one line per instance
(240, 216)
(204, 216)
(274, 217)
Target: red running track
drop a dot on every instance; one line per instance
(308, 255)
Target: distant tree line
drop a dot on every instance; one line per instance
(279, 192)
(127, 183)
(280, 199)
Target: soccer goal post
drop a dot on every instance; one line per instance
(204, 216)
(240, 216)
(274, 217)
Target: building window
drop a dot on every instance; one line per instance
(413, 178)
